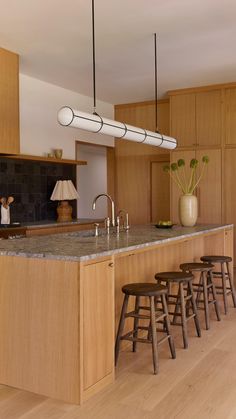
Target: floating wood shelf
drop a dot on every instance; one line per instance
(44, 159)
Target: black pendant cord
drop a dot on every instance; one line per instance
(94, 66)
(155, 45)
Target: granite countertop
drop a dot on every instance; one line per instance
(82, 245)
(54, 223)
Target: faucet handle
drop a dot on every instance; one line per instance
(107, 225)
(117, 224)
(96, 225)
(126, 224)
(107, 222)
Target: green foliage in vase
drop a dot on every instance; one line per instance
(177, 171)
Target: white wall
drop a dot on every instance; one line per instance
(92, 180)
(39, 129)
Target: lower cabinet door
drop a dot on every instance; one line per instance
(98, 321)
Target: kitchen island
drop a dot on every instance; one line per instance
(60, 300)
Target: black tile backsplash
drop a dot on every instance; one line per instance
(31, 184)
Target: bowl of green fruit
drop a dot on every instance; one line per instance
(164, 224)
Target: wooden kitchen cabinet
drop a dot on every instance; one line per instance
(230, 116)
(134, 162)
(182, 119)
(209, 189)
(196, 118)
(97, 305)
(229, 188)
(208, 118)
(9, 102)
(142, 115)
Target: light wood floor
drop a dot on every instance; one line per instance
(199, 384)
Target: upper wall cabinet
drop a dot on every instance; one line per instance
(230, 116)
(196, 118)
(142, 115)
(182, 119)
(9, 102)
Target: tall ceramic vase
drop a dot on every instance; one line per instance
(188, 210)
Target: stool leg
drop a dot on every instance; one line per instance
(183, 315)
(167, 326)
(231, 283)
(214, 296)
(136, 321)
(206, 300)
(154, 335)
(121, 326)
(199, 291)
(196, 319)
(224, 288)
(177, 307)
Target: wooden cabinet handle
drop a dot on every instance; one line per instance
(111, 264)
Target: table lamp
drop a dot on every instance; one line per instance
(64, 191)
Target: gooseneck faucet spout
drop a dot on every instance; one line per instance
(112, 206)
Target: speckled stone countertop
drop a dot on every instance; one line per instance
(82, 245)
(51, 223)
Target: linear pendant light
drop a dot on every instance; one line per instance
(95, 123)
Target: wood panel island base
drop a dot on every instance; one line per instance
(60, 301)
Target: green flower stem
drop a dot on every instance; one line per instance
(177, 182)
(197, 182)
(180, 182)
(193, 169)
(185, 180)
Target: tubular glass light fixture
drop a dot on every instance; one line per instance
(95, 123)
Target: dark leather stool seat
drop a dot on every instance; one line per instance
(216, 259)
(153, 314)
(181, 301)
(227, 285)
(144, 289)
(204, 287)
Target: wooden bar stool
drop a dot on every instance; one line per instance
(225, 275)
(156, 312)
(181, 300)
(204, 287)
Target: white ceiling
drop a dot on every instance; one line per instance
(196, 44)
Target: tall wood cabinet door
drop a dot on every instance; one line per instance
(98, 321)
(229, 192)
(160, 192)
(187, 155)
(182, 119)
(209, 189)
(9, 102)
(230, 115)
(208, 118)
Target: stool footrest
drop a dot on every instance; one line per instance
(127, 336)
(144, 317)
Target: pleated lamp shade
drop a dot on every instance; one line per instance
(64, 191)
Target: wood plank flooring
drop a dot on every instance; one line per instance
(199, 384)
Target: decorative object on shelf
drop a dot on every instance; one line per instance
(95, 123)
(58, 153)
(188, 205)
(64, 191)
(5, 209)
(164, 224)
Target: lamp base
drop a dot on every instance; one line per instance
(64, 212)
